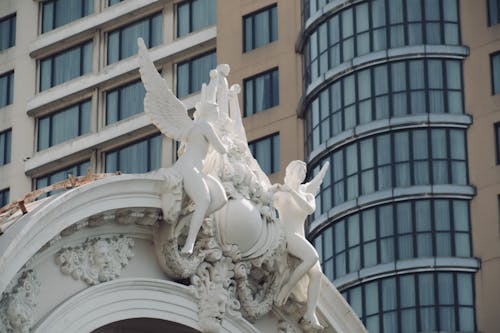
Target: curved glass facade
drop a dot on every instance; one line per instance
(423, 302)
(377, 25)
(392, 127)
(394, 89)
(395, 159)
(396, 231)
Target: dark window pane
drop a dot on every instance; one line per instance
(260, 28)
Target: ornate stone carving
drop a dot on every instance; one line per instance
(96, 260)
(17, 307)
(221, 228)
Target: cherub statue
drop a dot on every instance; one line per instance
(294, 201)
(169, 114)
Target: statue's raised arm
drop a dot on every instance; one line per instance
(294, 202)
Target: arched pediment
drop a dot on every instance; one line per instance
(130, 298)
(48, 219)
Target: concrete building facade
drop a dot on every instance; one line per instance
(397, 95)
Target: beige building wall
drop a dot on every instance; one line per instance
(280, 53)
(14, 115)
(484, 173)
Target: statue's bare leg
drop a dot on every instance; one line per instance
(198, 191)
(313, 291)
(299, 247)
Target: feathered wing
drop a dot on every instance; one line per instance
(314, 185)
(167, 112)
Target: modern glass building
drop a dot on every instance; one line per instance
(384, 104)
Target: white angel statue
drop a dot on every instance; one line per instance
(294, 202)
(169, 114)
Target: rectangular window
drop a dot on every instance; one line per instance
(5, 146)
(122, 42)
(493, 12)
(66, 65)
(64, 125)
(497, 141)
(75, 170)
(6, 88)
(113, 2)
(192, 73)
(124, 101)
(495, 72)
(194, 15)
(260, 28)
(138, 157)
(261, 92)
(56, 13)
(267, 153)
(4, 197)
(7, 32)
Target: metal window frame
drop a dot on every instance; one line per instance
(50, 117)
(52, 57)
(119, 149)
(251, 16)
(189, 62)
(12, 38)
(252, 80)
(120, 29)
(252, 145)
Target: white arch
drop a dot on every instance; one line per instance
(130, 298)
(33, 230)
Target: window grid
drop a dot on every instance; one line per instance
(268, 159)
(493, 12)
(4, 197)
(193, 72)
(373, 94)
(196, 20)
(270, 94)
(391, 232)
(75, 170)
(124, 101)
(407, 303)
(121, 46)
(46, 137)
(5, 146)
(56, 13)
(116, 159)
(7, 32)
(444, 163)
(357, 30)
(66, 71)
(251, 28)
(6, 89)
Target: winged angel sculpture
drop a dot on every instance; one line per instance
(170, 116)
(247, 254)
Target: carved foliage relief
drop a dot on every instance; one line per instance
(17, 307)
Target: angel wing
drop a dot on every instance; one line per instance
(167, 112)
(314, 185)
